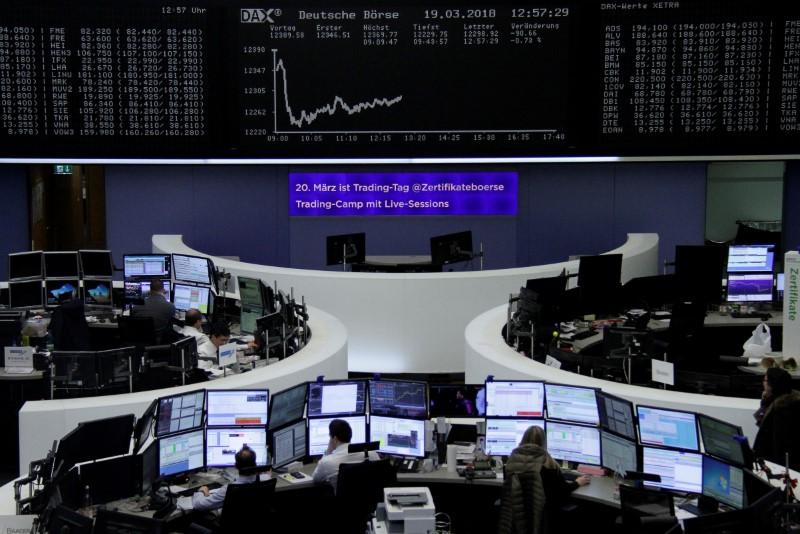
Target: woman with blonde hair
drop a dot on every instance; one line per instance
(534, 487)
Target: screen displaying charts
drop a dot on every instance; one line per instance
(180, 453)
(331, 398)
(750, 287)
(287, 406)
(238, 407)
(572, 403)
(319, 436)
(222, 444)
(146, 266)
(619, 454)
(750, 258)
(679, 470)
(504, 435)
(289, 444)
(188, 297)
(398, 398)
(180, 412)
(404, 437)
(723, 482)
(667, 428)
(574, 443)
(515, 399)
(191, 269)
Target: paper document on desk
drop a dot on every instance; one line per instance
(294, 480)
(465, 453)
(184, 503)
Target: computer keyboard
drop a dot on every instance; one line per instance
(191, 491)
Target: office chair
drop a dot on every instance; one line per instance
(646, 511)
(137, 331)
(359, 489)
(109, 522)
(245, 505)
(69, 328)
(74, 374)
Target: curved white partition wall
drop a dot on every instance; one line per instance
(41, 422)
(487, 354)
(412, 323)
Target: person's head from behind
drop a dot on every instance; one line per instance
(535, 436)
(245, 458)
(777, 382)
(194, 318)
(340, 432)
(156, 287)
(219, 334)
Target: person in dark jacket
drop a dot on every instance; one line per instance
(158, 307)
(534, 487)
(777, 418)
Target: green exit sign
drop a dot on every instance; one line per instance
(62, 169)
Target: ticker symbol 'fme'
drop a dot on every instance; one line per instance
(257, 16)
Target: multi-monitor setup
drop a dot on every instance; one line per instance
(587, 426)
(46, 279)
(187, 280)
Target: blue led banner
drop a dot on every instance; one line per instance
(315, 194)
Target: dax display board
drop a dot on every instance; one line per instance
(213, 79)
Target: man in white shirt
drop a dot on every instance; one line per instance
(194, 326)
(327, 470)
(206, 499)
(219, 335)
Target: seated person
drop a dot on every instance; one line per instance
(158, 307)
(327, 470)
(193, 326)
(551, 490)
(207, 353)
(205, 499)
(68, 326)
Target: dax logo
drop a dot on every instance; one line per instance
(257, 16)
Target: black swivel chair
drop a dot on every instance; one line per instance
(359, 489)
(69, 328)
(246, 505)
(646, 511)
(137, 331)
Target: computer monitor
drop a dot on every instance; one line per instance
(136, 291)
(574, 443)
(92, 440)
(177, 413)
(187, 297)
(398, 436)
(25, 265)
(113, 522)
(248, 319)
(679, 470)
(723, 482)
(149, 461)
(457, 400)
(98, 293)
(25, 294)
(96, 263)
(183, 353)
(398, 398)
(104, 486)
(515, 398)
(222, 444)
(319, 435)
(667, 428)
(451, 248)
(144, 426)
(722, 440)
(58, 291)
(337, 398)
(181, 453)
(288, 444)
(226, 354)
(750, 287)
(751, 258)
(599, 283)
(572, 403)
(61, 265)
(619, 454)
(504, 435)
(698, 272)
(350, 247)
(287, 406)
(616, 415)
(191, 269)
(237, 407)
(146, 266)
(251, 292)
(114, 367)
(779, 284)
